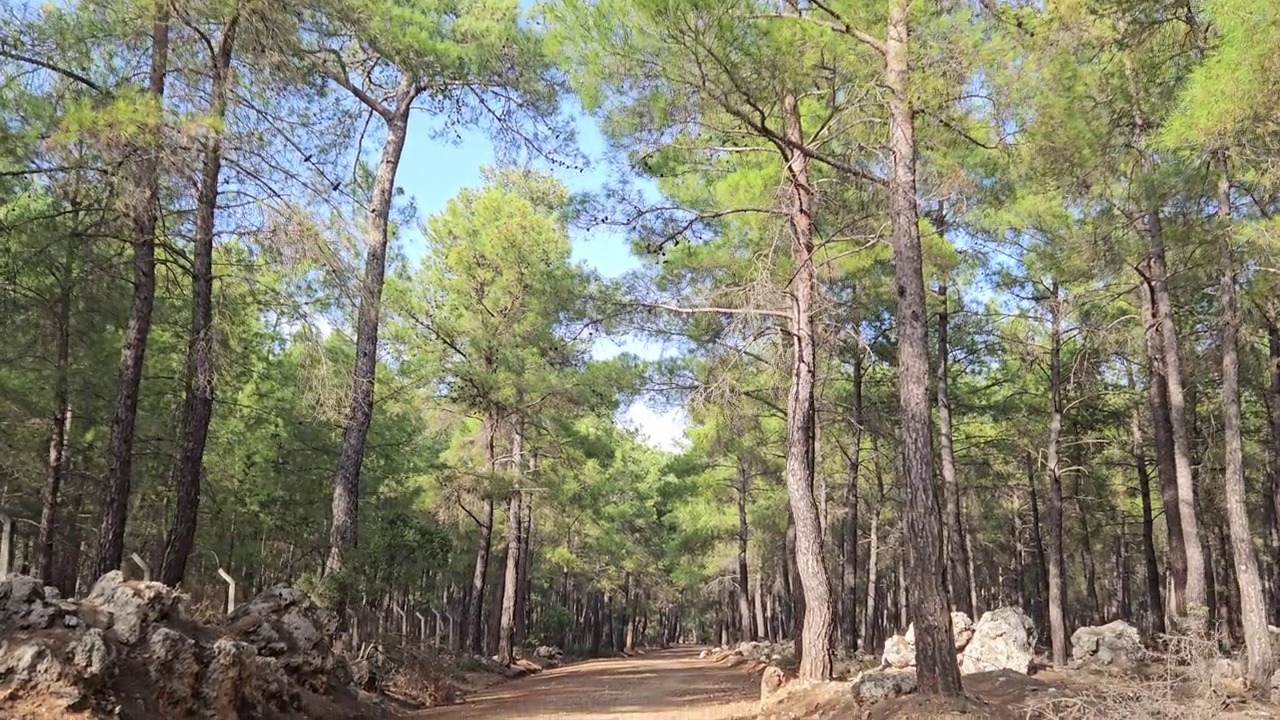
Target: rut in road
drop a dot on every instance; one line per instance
(662, 685)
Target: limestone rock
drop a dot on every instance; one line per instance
(961, 631)
(134, 606)
(899, 653)
(548, 652)
(1002, 639)
(1103, 645)
(881, 684)
(255, 667)
(283, 623)
(771, 681)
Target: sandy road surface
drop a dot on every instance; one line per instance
(662, 685)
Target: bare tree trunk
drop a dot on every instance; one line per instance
(60, 431)
(744, 600)
(524, 607)
(1154, 600)
(1253, 608)
(1273, 414)
(1162, 433)
(761, 627)
(510, 586)
(869, 638)
(1053, 472)
(958, 579)
(815, 644)
(937, 671)
(145, 218)
(849, 558)
(199, 384)
(1037, 540)
(1159, 278)
(473, 623)
(346, 482)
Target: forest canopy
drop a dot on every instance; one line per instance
(966, 304)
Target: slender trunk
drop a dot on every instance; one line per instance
(1053, 472)
(761, 627)
(869, 637)
(1037, 541)
(1086, 549)
(346, 482)
(744, 600)
(473, 627)
(1158, 276)
(510, 585)
(958, 580)
(1154, 600)
(849, 561)
(199, 384)
(145, 219)
(1273, 396)
(1162, 433)
(1253, 608)
(524, 608)
(60, 431)
(937, 671)
(818, 623)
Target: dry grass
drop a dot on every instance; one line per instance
(1186, 680)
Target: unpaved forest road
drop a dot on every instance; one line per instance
(661, 685)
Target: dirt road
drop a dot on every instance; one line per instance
(662, 685)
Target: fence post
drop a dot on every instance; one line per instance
(146, 569)
(354, 618)
(404, 621)
(231, 589)
(6, 545)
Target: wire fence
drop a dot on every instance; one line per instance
(387, 620)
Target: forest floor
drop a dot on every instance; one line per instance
(660, 685)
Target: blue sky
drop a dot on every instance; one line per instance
(421, 178)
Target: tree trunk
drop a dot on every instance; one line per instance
(510, 586)
(473, 629)
(1253, 608)
(1162, 433)
(762, 631)
(1053, 472)
(744, 599)
(1037, 540)
(1273, 396)
(849, 556)
(144, 219)
(60, 431)
(958, 580)
(869, 638)
(937, 671)
(346, 482)
(1158, 276)
(524, 608)
(1154, 600)
(818, 624)
(199, 383)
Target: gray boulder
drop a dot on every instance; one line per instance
(1002, 639)
(881, 684)
(1104, 645)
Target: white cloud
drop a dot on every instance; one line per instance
(658, 430)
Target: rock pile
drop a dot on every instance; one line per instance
(128, 650)
(1001, 639)
(1117, 642)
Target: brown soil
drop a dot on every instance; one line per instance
(661, 685)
